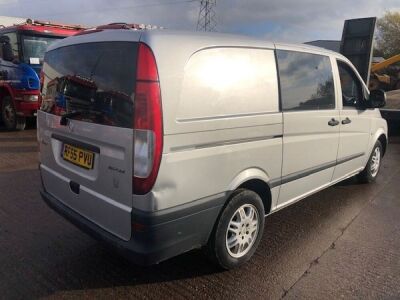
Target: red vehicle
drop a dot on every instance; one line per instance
(22, 48)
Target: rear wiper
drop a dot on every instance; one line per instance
(64, 118)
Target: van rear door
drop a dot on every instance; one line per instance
(85, 130)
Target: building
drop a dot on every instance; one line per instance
(327, 44)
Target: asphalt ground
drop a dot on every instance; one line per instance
(393, 99)
(342, 242)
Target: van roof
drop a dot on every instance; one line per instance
(201, 39)
(234, 39)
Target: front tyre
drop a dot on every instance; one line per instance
(372, 168)
(21, 123)
(9, 116)
(238, 231)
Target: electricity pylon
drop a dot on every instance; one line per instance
(207, 21)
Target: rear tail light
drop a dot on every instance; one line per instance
(147, 123)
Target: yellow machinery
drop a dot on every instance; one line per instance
(386, 82)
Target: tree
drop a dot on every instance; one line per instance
(388, 41)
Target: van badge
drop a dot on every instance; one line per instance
(121, 171)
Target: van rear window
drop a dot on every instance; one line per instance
(94, 82)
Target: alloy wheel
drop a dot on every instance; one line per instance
(242, 230)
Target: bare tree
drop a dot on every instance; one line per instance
(388, 41)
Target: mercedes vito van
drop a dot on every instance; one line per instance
(159, 142)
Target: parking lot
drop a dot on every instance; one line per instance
(341, 242)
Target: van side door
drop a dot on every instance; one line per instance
(355, 122)
(311, 123)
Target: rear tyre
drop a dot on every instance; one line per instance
(371, 170)
(9, 116)
(238, 231)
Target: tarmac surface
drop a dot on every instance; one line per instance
(342, 242)
(393, 99)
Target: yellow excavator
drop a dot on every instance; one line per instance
(387, 77)
(388, 81)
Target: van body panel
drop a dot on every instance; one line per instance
(354, 140)
(203, 131)
(172, 72)
(302, 143)
(225, 161)
(308, 143)
(225, 153)
(297, 189)
(109, 182)
(355, 136)
(358, 139)
(234, 130)
(107, 213)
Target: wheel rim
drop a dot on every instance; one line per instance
(375, 161)
(242, 231)
(9, 113)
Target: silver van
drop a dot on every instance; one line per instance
(159, 142)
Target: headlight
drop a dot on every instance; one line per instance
(31, 98)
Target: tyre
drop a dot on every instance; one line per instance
(371, 170)
(9, 116)
(238, 231)
(21, 123)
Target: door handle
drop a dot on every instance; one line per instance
(346, 121)
(333, 122)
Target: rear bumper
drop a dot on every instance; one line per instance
(155, 236)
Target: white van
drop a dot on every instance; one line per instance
(159, 141)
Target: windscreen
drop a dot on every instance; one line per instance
(34, 47)
(91, 82)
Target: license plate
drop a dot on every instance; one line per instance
(78, 156)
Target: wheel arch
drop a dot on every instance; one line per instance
(5, 91)
(256, 180)
(384, 141)
(379, 135)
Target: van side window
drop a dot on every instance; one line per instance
(222, 82)
(306, 81)
(351, 86)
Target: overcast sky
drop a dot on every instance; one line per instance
(284, 20)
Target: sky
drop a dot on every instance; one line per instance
(284, 20)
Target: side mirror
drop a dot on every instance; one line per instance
(7, 52)
(377, 98)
